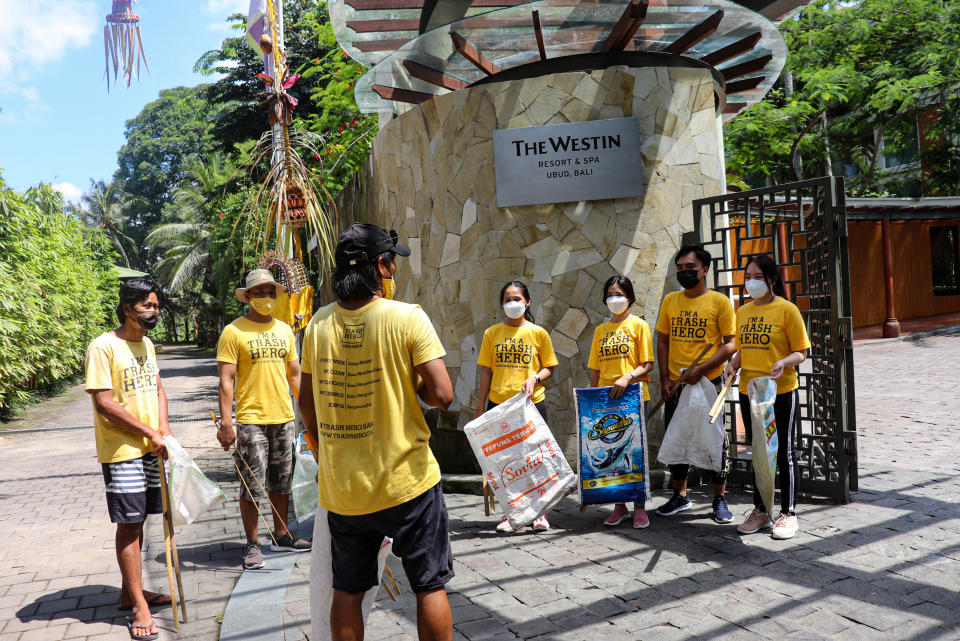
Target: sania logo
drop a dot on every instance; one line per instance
(610, 428)
(521, 468)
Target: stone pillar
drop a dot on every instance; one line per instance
(431, 177)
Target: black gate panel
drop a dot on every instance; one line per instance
(803, 226)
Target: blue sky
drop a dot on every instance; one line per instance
(58, 124)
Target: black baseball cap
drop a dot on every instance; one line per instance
(364, 241)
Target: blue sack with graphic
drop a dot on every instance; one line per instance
(613, 446)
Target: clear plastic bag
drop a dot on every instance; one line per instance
(304, 489)
(762, 392)
(191, 492)
(520, 459)
(691, 437)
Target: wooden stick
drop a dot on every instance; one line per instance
(717, 408)
(386, 569)
(682, 378)
(488, 499)
(167, 535)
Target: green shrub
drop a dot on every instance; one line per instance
(57, 291)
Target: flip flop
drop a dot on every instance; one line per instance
(146, 637)
(158, 600)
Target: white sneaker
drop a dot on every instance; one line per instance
(755, 521)
(785, 527)
(504, 526)
(541, 524)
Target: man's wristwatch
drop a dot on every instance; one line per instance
(537, 378)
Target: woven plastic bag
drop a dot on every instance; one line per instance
(762, 392)
(191, 492)
(691, 437)
(521, 460)
(304, 482)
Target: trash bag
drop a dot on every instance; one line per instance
(191, 492)
(304, 482)
(521, 460)
(762, 392)
(691, 437)
(612, 437)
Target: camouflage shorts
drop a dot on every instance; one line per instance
(265, 458)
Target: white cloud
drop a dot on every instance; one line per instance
(35, 33)
(71, 193)
(227, 7)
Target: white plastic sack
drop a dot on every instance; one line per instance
(690, 437)
(304, 488)
(521, 460)
(191, 492)
(762, 392)
(321, 579)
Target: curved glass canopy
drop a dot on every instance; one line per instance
(745, 48)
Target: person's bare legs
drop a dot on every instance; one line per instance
(248, 514)
(434, 619)
(129, 559)
(281, 503)
(719, 490)
(346, 616)
(680, 487)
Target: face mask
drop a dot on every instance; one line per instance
(756, 288)
(264, 306)
(688, 278)
(389, 288)
(616, 304)
(514, 308)
(148, 321)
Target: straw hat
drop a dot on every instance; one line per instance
(258, 277)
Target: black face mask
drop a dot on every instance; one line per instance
(688, 278)
(148, 321)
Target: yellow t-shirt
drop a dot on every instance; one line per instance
(373, 451)
(691, 322)
(515, 354)
(765, 334)
(261, 352)
(130, 370)
(621, 347)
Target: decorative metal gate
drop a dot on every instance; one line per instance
(803, 226)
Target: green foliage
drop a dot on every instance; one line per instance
(869, 66)
(57, 291)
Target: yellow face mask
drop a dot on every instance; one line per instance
(389, 288)
(264, 306)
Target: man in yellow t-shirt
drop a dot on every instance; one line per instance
(366, 359)
(257, 361)
(130, 421)
(688, 321)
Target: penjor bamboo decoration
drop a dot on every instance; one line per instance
(122, 45)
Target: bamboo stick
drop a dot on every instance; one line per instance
(167, 542)
(682, 378)
(717, 408)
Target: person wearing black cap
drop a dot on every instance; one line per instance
(365, 361)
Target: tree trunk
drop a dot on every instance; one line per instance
(876, 153)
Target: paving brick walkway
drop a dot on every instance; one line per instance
(886, 566)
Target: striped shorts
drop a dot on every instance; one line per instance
(133, 489)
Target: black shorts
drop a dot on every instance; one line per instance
(420, 538)
(133, 489)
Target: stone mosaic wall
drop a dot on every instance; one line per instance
(431, 177)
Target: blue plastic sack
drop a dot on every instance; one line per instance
(612, 464)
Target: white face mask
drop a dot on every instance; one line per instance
(616, 304)
(514, 308)
(756, 288)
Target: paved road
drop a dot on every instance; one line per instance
(886, 566)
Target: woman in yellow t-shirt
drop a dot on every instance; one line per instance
(771, 341)
(515, 356)
(619, 367)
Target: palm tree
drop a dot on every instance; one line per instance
(107, 206)
(183, 242)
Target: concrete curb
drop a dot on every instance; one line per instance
(950, 329)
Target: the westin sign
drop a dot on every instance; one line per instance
(570, 162)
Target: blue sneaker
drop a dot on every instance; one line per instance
(676, 504)
(721, 513)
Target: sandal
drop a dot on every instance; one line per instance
(158, 600)
(143, 637)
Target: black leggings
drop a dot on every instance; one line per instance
(541, 407)
(679, 471)
(785, 410)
